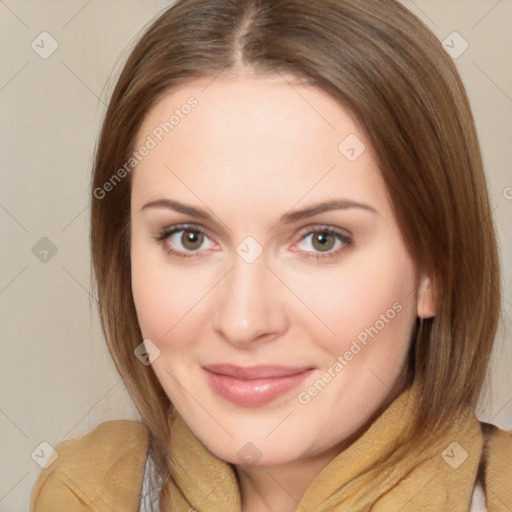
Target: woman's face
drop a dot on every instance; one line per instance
(280, 325)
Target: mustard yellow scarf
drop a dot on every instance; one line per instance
(440, 478)
(103, 470)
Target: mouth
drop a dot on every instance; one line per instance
(253, 386)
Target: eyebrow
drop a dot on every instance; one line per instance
(287, 218)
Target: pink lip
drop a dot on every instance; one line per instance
(253, 386)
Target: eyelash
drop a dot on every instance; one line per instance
(163, 235)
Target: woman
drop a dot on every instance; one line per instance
(297, 270)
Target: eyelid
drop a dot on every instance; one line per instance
(311, 228)
(167, 231)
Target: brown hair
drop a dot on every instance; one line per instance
(383, 64)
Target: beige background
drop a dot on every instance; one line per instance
(57, 380)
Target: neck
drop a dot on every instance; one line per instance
(279, 488)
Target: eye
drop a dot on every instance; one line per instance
(188, 241)
(184, 241)
(326, 242)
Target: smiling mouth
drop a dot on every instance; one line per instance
(253, 386)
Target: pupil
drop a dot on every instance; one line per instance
(192, 240)
(322, 240)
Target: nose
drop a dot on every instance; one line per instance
(250, 304)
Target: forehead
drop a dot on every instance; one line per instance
(260, 136)
(251, 93)
(273, 109)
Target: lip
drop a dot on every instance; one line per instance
(256, 385)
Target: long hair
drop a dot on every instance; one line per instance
(384, 65)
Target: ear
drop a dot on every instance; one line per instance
(427, 306)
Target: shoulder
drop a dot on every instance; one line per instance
(497, 465)
(102, 469)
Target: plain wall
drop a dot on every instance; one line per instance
(57, 380)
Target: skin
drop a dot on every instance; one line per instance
(253, 149)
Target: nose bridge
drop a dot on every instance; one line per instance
(249, 306)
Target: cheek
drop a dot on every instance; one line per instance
(164, 296)
(370, 298)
